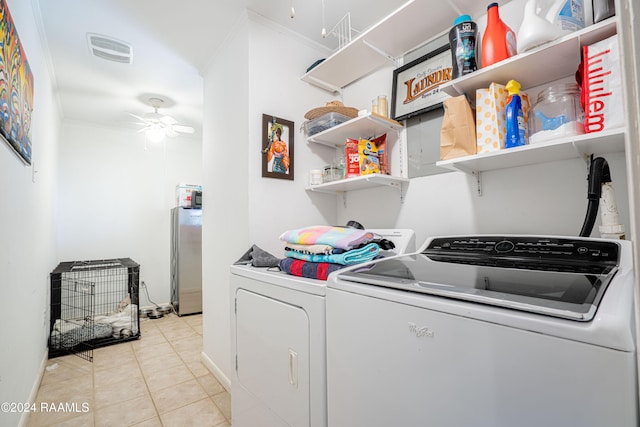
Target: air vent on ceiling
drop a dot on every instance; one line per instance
(110, 49)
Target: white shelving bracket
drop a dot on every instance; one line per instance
(344, 199)
(324, 85)
(477, 174)
(380, 51)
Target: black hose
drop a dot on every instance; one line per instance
(599, 174)
(590, 218)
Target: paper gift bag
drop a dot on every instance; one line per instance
(602, 86)
(491, 106)
(458, 131)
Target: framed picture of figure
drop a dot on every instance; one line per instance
(277, 147)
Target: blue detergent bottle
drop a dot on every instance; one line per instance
(514, 119)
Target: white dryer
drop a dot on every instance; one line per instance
(278, 344)
(485, 331)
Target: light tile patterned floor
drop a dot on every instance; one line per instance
(157, 380)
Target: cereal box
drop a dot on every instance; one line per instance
(351, 158)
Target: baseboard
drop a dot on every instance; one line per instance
(24, 419)
(215, 371)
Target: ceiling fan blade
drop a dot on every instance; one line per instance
(168, 120)
(138, 117)
(170, 132)
(183, 129)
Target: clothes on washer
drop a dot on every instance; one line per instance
(337, 237)
(313, 249)
(257, 257)
(308, 269)
(354, 256)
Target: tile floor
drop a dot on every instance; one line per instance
(157, 380)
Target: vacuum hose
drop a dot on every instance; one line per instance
(598, 175)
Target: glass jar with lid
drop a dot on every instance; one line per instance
(556, 114)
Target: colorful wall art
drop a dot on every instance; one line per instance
(16, 88)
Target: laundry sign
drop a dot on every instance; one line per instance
(417, 85)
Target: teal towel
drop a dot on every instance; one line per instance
(354, 256)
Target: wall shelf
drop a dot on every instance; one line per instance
(366, 126)
(406, 28)
(359, 183)
(550, 62)
(341, 187)
(547, 63)
(611, 141)
(369, 125)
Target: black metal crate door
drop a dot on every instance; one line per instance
(93, 304)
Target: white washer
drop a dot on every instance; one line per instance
(485, 331)
(278, 344)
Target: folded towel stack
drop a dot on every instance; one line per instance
(315, 252)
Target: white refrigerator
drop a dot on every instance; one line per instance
(186, 260)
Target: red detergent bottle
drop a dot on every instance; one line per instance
(498, 41)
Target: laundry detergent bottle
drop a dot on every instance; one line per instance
(498, 41)
(546, 20)
(516, 127)
(462, 39)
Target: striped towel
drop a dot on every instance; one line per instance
(310, 270)
(338, 237)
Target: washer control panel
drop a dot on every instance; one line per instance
(527, 247)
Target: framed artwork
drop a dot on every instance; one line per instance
(416, 85)
(277, 147)
(16, 89)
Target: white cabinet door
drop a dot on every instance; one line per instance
(272, 344)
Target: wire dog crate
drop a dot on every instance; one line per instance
(93, 304)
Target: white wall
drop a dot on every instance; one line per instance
(256, 71)
(116, 193)
(275, 88)
(27, 232)
(549, 198)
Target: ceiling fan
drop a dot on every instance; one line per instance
(156, 126)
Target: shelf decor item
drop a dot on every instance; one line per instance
(416, 85)
(277, 147)
(16, 89)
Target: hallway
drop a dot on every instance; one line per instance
(157, 380)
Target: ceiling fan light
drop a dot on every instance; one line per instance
(155, 134)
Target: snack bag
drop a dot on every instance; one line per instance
(369, 162)
(381, 145)
(351, 158)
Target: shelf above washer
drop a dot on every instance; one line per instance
(610, 141)
(547, 63)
